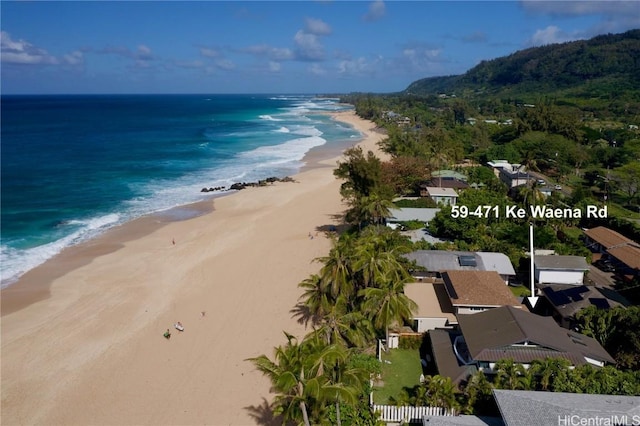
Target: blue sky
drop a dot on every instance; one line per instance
(276, 47)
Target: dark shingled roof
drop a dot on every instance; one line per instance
(527, 408)
(503, 327)
(444, 357)
(570, 299)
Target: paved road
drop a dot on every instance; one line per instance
(565, 191)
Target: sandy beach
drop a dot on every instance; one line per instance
(82, 335)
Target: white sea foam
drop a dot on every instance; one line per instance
(16, 262)
(282, 130)
(269, 118)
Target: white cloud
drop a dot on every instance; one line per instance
(308, 47)
(614, 16)
(581, 8)
(74, 58)
(225, 64)
(189, 64)
(23, 52)
(550, 35)
(316, 69)
(209, 53)
(377, 10)
(317, 27)
(273, 53)
(274, 66)
(358, 66)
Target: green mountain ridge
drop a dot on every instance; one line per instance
(580, 68)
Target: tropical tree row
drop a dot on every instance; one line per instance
(551, 374)
(354, 299)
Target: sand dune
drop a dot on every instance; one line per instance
(82, 334)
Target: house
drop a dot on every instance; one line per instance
(509, 333)
(560, 269)
(623, 251)
(526, 408)
(434, 307)
(449, 174)
(564, 301)
(442, 196)
(443, 182)
(434, 262)
(513, 175)
(471, 292)
(407, 214)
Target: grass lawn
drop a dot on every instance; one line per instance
(404, 370)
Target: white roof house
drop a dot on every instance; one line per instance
(560, 269)
(437, 261)
(407, 214)
(444, 196)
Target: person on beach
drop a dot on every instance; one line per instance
(178, 326)
(167, 334)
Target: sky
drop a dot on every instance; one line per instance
(74, 47)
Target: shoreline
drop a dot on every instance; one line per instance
(92, 352)
(34, 285)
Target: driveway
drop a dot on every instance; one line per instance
(599, 277)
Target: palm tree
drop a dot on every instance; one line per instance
(289, 373)
(315, 297)
(377, 258)
(547, 370)
(337, 271)
(441, 392)
(342, 326)
(478, 393)
(387, 304)
(336, 381)
(375, 209)
(511, 375)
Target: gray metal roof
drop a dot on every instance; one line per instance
(407, 214)
(464, 420)
(498, 262)
(441, 260)
(575, 263)
(527, 408)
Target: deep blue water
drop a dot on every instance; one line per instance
(74, 166)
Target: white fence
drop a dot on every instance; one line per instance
(392, 413)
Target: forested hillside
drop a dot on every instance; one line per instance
(581, 68)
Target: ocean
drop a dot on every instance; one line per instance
(74, 166)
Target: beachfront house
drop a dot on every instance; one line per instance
(471, 292)
(434, 306)
(442, 196)
(508, 333)
(560, 269)
(433, 262)
(408, 214)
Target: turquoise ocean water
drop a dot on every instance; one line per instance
(75, 166)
